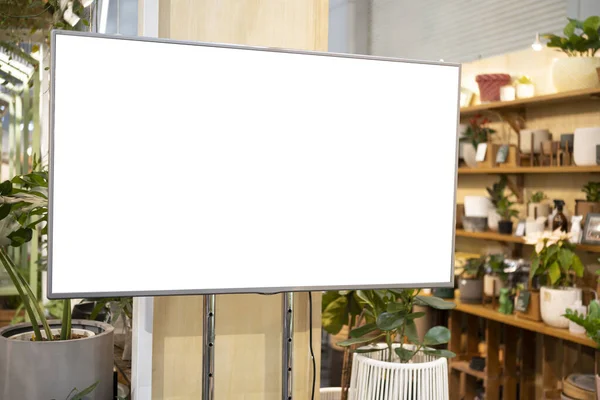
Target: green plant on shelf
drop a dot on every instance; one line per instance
(592, 191)
(524, 80)
(590, 322)
(477, 131)
(474, 268)
(389, 317)
(505, 210)
(581, 38)
(537, 197)
(495, 265)
(496, 192)
(554, 261)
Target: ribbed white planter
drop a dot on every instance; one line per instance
(584, 145)
(331, 393)
(424, 377)
(574, 73)
(51, 370)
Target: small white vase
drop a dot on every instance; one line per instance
(492, 285)
(554, 303)
(536, 210)
(469, 154)
(493, 219)
(539, 135)
(477, 206)
(525, 90)
(585, 141)
(574, 73)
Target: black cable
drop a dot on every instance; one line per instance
(310, 338)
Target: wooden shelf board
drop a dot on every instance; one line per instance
(499, 237)
(488, 313)
(530, 170)
(562, 97)
(463, 366)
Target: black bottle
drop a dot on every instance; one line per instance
(560, 221)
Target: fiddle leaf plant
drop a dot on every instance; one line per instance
(394, 321)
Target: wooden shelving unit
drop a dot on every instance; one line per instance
(463, 366)
(517, 105)
(530, 170)
(499, 237)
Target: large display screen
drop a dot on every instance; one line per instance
(194, 168)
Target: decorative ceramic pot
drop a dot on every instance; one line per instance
(554, 302)
(477, 206)
(471, 290)
(469, 154)
(492, 285)
(574, 73)
(536, 210)
(539, 135)
(584, 145)
(505, 227)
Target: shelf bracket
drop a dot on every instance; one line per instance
(517, 187)
(515, 122)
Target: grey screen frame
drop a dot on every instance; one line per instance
(268, 290)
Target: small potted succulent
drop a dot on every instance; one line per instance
(506, 212)
(554, 265)
(477, 132)
(470, 283)
(537, 206)
(591, 204)
(525, 87)
(581, 42)
(495, 277)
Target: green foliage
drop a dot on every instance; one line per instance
(478, 132)
(538, 197)
(495, 265)
(581, 38)
(391, 317)
(80, 395)
(501, 201)
(339, 308)
(556, 264)
(474, 268)
(591, 322)
(592, 191)
(505, 210)
(496, 192)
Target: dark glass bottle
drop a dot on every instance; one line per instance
(560, 221)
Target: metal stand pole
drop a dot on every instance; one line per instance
(288, 346)
(208, 348)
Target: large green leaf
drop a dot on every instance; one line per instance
(361, 340)
(411, 333)
(565, 257)
(404, 354)
(5, 188)
(4, 211)
(363, 330)
(366, 296)
(369, 349)
(439, 353)
(335, 315)
(329, 297)
(592, 23)
(394, 307)
(569, 29)
(534, 266)
(436, 335)
(85, 392)
(20, 236)
(389, 321)
(554, 272)
(414, 315)
(434, 302)
(577, 266)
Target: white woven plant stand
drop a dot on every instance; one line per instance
(423, 378)
(334, 393)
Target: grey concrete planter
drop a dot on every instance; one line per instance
(471, 290)
(50, 370)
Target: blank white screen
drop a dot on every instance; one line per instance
(180, 168)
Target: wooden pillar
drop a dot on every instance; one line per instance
(248, 327)
(492, 338)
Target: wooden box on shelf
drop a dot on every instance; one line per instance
(511, 157)
(533, 312)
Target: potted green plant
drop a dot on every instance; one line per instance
(506, 212)
(45, 359)
(591, 203)
(390, 336)
(580, 42)
(495, 277)
(496, 193)
(554, 265)
(470, 282)
(537, 207)
(477, 132)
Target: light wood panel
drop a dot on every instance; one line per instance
(248, 327)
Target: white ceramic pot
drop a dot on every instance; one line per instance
(584, 145)
(554, 302)
(477, 206)
(525, 90)
(469, 154)
(536, 210)
(492, 285)
(574, 73)
(539, 135)
(493, 219)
